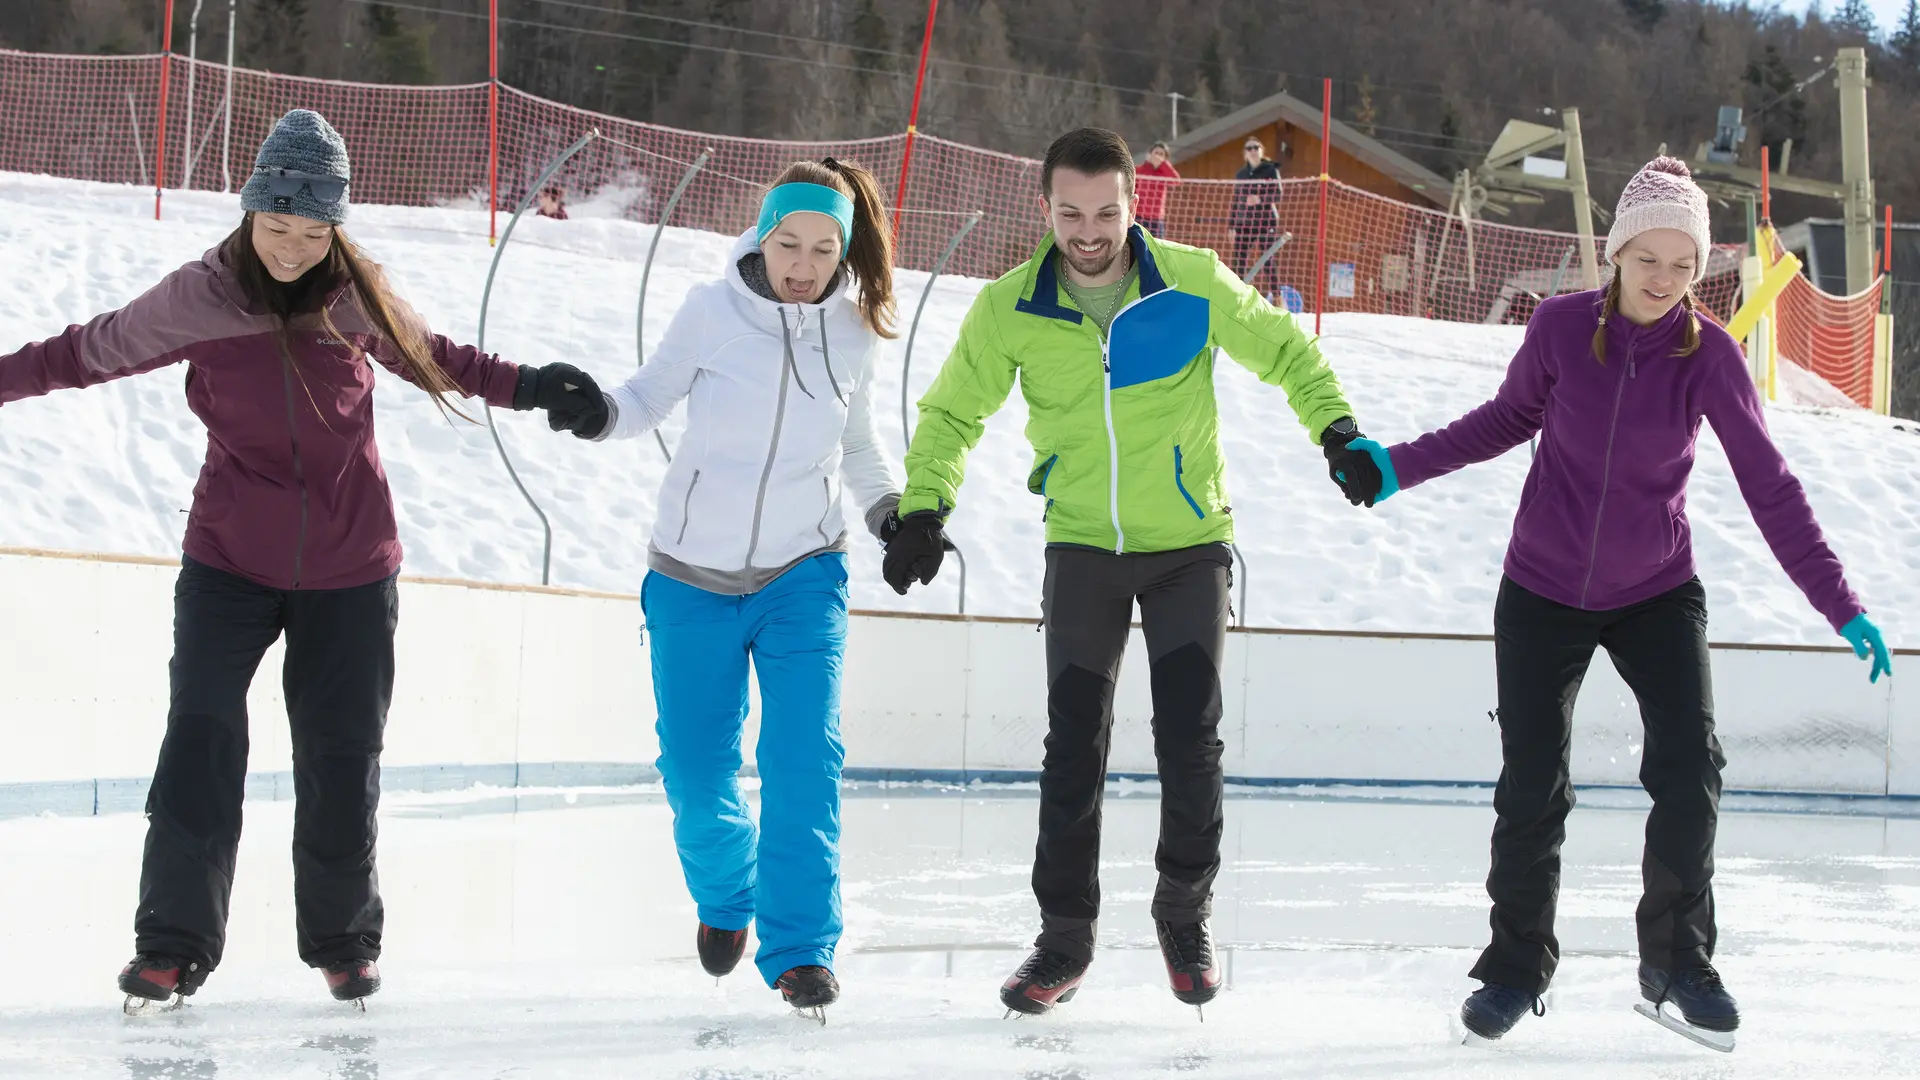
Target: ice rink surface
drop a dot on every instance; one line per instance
(547, 934)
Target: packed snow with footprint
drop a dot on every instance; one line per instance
(112, 468)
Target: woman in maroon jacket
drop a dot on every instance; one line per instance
(292, 532)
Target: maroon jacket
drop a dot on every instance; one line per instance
(292, 495)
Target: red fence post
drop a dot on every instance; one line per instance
(1886, 244)
(1766, 187)
(1326, 179)
(493, 118)
(913, 117)
(160, 143)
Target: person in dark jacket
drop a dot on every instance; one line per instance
(1616, 383)
(1255, 221)
(291, 532)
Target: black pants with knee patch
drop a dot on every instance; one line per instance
(338, 682)
(1542, 650)
(1088, 602)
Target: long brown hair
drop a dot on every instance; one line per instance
(345, 264)
(870, 250)
(1688, 344)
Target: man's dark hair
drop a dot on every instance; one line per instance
(1088, 150)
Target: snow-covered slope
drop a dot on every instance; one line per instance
(112, 468)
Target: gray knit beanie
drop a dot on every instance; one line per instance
(302, 142)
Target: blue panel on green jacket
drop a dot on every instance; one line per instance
(1157, 337)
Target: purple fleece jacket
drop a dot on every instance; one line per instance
(292, 495)
(1602, 522)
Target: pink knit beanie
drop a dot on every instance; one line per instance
(1662, 195)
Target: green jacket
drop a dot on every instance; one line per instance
(1125, 432)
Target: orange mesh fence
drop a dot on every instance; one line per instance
(1831, 336)
(95, 118)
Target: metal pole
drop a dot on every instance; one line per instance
(962, 556)
(1326, 178)
(193, 57)
(1855, 173)
(1582, 202)
(1241, 621)
(913, 117)
(1272, 250)
(160, 147)
(486, 297)
(1173, 98)
(640, 316)
(906, 365)
(226, 137)
(139, 149)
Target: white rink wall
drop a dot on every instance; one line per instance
(529, 687)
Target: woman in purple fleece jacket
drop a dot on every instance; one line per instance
(292, 532)
(1616, 384)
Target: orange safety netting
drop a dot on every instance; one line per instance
(1831, 336)
(95, 118)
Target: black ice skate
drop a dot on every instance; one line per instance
(809, 990)
(1045, 979)
(1192, 968)
(353, 980)
(150, 978)
(1491, 1011)
(720, 950)
(1707, 1013)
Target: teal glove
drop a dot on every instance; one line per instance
(1389, 483)
(1864, 636)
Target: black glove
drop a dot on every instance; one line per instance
(572, 399)
(915, 545)
(1353, 471)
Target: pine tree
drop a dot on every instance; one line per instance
(1365, 115)
(1772, 80)
(1906, 40)
(1855, 17)
(1645, 14)
(399, 52)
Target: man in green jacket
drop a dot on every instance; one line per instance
(1112, 334)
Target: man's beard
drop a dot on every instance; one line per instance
(1096, 269)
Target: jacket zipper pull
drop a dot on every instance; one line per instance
(1630, 366)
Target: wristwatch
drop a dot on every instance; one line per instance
(1343, 429)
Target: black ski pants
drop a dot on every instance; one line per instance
(1541, 651)
(338, 682)
(1087, 602)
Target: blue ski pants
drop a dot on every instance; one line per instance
(783, 878)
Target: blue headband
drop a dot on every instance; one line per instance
(806, 198)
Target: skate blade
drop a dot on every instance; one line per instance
(816, 1013)
(359, 1005)
(1712, 1040)
(1460, 1035)
(135, 1005)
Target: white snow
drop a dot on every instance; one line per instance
(110, 469)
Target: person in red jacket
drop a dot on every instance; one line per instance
(1155, 180)
(291, 532)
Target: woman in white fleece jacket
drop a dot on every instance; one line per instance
(748, 559)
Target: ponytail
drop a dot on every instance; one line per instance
(869, 255)
(1689, 344)
(1607, 308)
(1692, 340)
